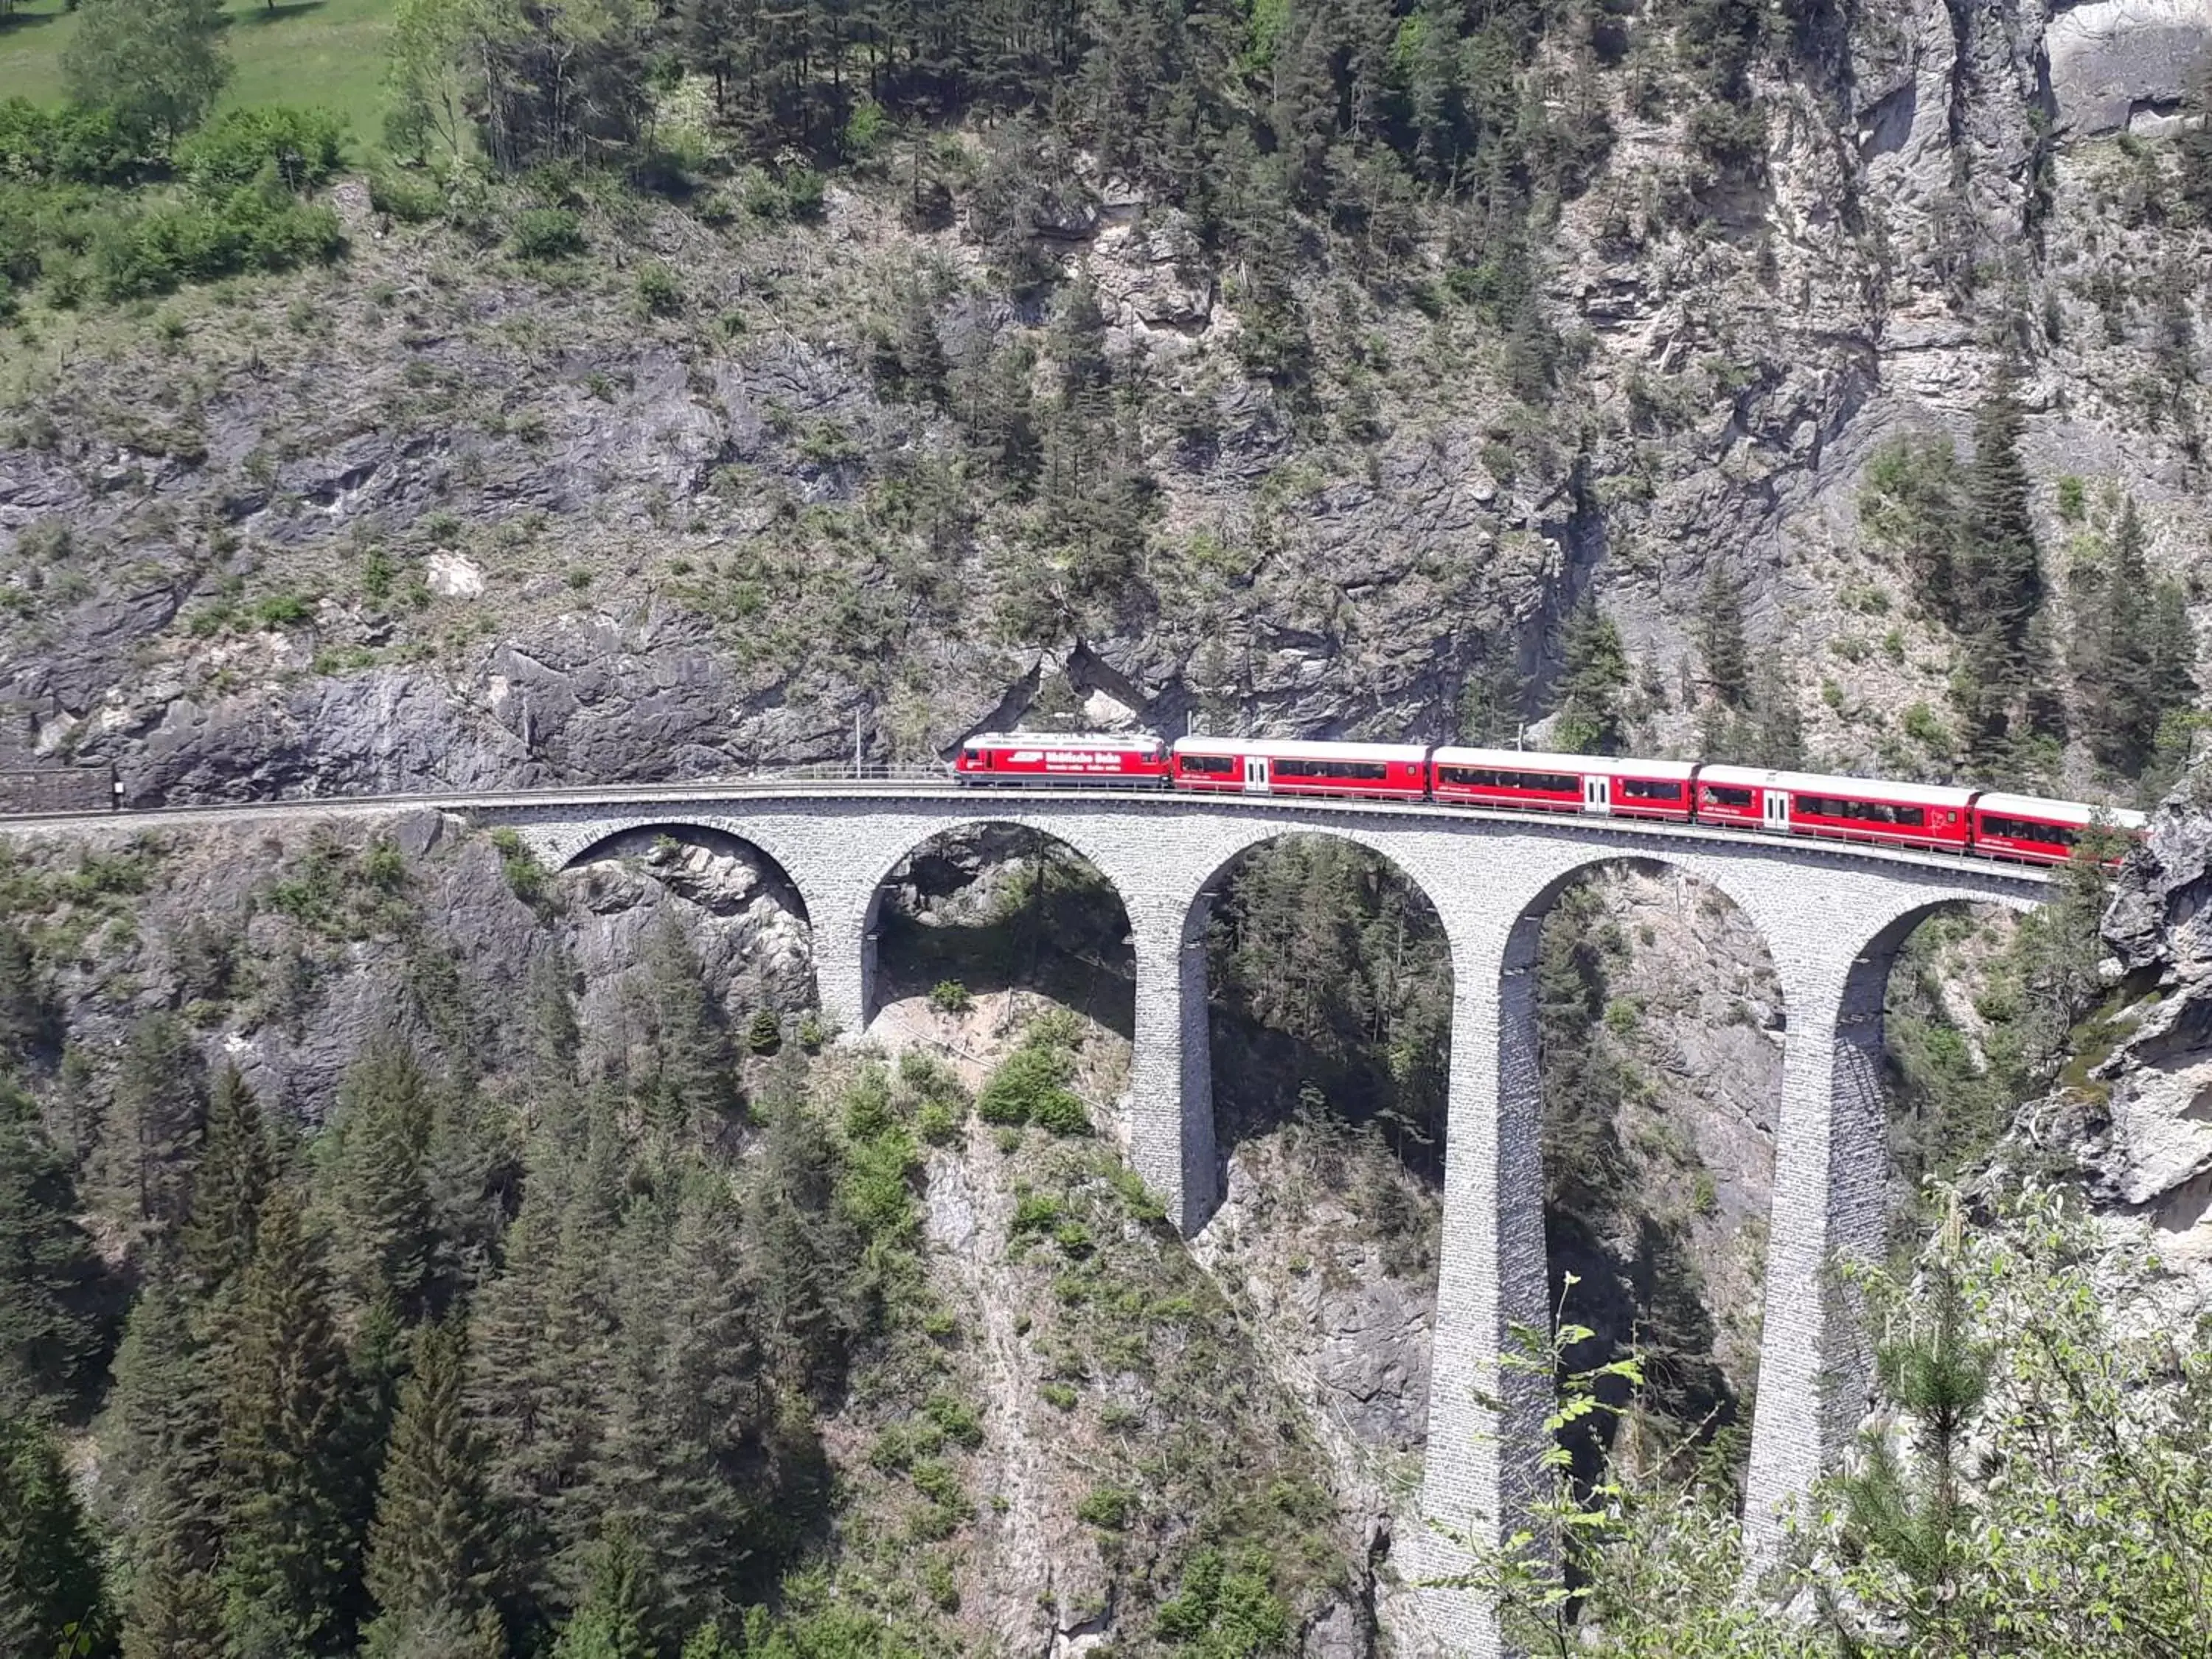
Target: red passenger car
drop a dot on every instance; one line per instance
(1394, 771)
(1053, 757)
(2038, 829)
(1563, 783)
(1844, 809)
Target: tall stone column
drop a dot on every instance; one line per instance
(1831, 1173)
(1485, 1433)
(840, 920)
(1171, 1076)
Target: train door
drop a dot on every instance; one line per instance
(1777, 809)
(1597, 794)
(1255, 774)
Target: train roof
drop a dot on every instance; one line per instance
(2058, 811)
(1061, 740)
(1817, 783)
(1524, 760)
(1288, 749)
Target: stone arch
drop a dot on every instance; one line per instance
(696, 880)
(1656, 1120)
(1203, 1160)
(1059, 830)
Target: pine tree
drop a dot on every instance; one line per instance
(159, 1438)
(176, 1606)
(614, 1621)
(151, 1132)
(228, 1187)
(1594, 673)
(288, 1557)
(377, 1189)
(1721, 641)
(432, 1548)
(689, 1396)
(52, 1601)
(539, 1353)
(680, 1071)
(48, 1276)
(1999, 583)
(26, 1017)
(1916, 1514)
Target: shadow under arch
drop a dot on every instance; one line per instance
(1328, 985)
(1060, 924)
(660, 848)
(1658, 1213)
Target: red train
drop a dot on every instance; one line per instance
(2027, 827)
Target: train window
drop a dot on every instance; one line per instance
(1726, 794)
(1214, 766)
(1360, 771)
(2053, 835)
(1863, 812)
(1645, 789)
(1484, 777)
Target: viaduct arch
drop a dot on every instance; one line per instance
(1833, 919)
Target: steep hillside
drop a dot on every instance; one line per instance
(581, 480)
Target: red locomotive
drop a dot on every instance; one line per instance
(2027, 827)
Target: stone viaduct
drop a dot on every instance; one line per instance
(1833, 918)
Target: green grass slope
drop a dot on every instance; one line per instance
(329, 53)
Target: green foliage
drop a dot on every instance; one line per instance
(1026, 1083)
(294, 149)
(150, 1132)
(2057, 1498)
(1219, 1612)
(545, 233)
(50, 1323)
(950, 996)
(158, 64)
(286, 1484)
(1111, 1509)
(52, 1598)
(659, 292)
(1721, 640)
(2132, 650)
(432, 1549)
(1593, 674)
(232, 1180)
(526, 877)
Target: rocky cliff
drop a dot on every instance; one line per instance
(439, 518)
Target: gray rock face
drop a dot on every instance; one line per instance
(2113, 62)
(2149, 1147)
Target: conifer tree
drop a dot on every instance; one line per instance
(680, 1071)
(1915, 1514)
(614, 1621)
(289, 1555)
(1594, 673)
(377, 1189)
(151, 1132)
(174, 1610)
(159, 1433)
(1721, 641)
(432, 1548)
(48, 1276)
(26, 1017)
(52, 1601)
(236, 1172)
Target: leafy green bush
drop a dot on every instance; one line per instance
(950, 996)
(140, 252)
(764, 1034)
(1060, 1112)
(546, 233)
(413, 198)
(1021, 1086)
(1112, 1508)
(659, 291)
(69, 145)
(298, 149)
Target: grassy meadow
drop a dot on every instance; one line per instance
(325, 53)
